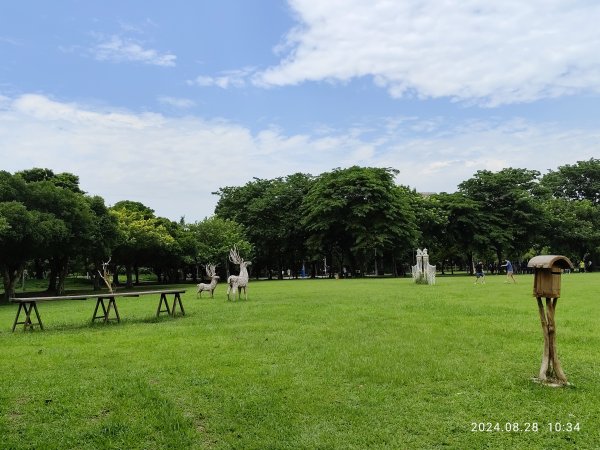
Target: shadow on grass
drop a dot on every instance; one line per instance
(100, 325)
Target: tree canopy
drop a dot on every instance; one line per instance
(580, 181)
(356, 218)
(358, 212)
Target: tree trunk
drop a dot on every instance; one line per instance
(10, 277)
(38, 269)
(499, 256)
(375, 262)
(129, 274)
(63, 270)
(96, 280)
(52, 276)
(227, 273)
(279, 269)
(116, 281)
(470, 262)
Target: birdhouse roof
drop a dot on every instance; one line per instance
(549, 261)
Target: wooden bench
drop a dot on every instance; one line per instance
(102, 310)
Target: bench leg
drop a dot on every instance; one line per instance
(112, 302)
(177, 299)
(38, 316)
(106, 310)
(99, 302)
(163, 298)
(27, 323)
(17, 316)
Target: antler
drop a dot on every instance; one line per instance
(234, 256)
(211, 270)
(106, 275)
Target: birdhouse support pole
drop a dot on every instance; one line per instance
(550, 370)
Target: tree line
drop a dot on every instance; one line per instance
(359, 219)
(355, 220)
(50, 227)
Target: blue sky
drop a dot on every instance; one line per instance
(165, 102)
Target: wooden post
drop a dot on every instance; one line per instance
(550, 370)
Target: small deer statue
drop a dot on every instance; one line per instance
(212, 274)
(106, 275)
(238, 282)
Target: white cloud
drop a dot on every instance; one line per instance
(474, 51)
(173, 164)
(119, 49)
(176, 102)
(227, 78)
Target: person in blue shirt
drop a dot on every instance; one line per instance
(509, 272)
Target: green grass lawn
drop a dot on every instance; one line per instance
(366, 363)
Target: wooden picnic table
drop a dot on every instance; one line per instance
(102, 310)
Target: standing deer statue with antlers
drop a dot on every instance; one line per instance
(238, 282)
(210, 287)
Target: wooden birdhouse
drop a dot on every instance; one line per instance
(546, 283)
(547, 272)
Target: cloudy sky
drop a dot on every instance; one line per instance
(165, 102)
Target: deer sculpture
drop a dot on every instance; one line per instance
(209, 287)
(106, 275)
(238, 282)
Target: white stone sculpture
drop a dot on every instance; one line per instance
(209, 287)
(423, 272)
(238, 282)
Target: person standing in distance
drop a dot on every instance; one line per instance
(509, 271)
(479, 273)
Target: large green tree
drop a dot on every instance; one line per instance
(269, 211)
(104, 238)
(57, 199)
(572, 203)
(64, 180)
(173, 261)
(580, 181)
(24, 235)
(214, 237)
(511, 216)
(353, 215)
(572, 227)
(465, 231)
(71, 207)
(142, 237)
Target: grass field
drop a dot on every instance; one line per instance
(366, 363)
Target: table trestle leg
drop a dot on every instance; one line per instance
(99, 302)
(163, 298)
(112, 303)
(27, 307)
(105, 315)
(177, 299)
